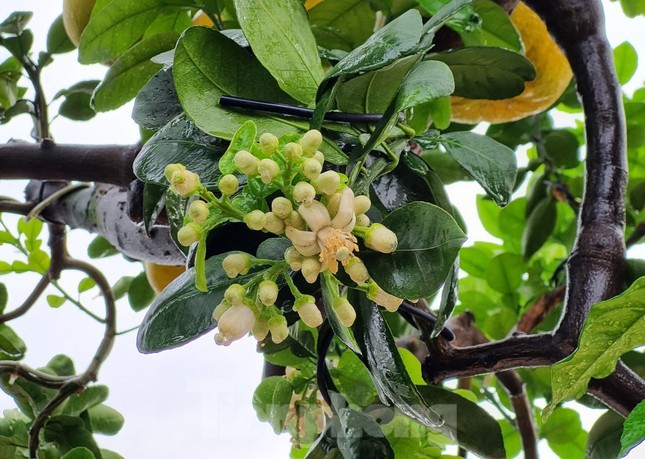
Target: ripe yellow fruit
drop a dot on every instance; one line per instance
(553, 74)
(159, 276)
(309, 4)
(76, 15)
(202, 19)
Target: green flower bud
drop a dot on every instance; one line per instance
(309, 313)
(295, 220)
(345, 312)
(281, 207)
(382, 298)
(221, 309)
(362, 220)
(234, 324)
(236, 264)
(228, 184)
(260, 329)
(310, 269)
(380, 238)
(246, 163)
(311, 142)
(357, 271)
(172, 169)
(294, 258)
(278, 328)
(304, 192)
(311, 168)
(327, 182)
(255, 220)
(268, 292)
(320, 157)
(198, 211)
(189, 234)
(273, 224)
(268, 143)
(268, 170)
(235, 294)
(362, 204)
(293, 152)
(185, 182)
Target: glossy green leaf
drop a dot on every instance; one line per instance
(490, 163)
(280, 36)
(77, 103)
(562, 426)
(86, 284)
(504, 272)
(361, 437)
(487, 73)
(181, 313)
(173, 21)
(633, 8)
(107, 454)
(354, 380)
(273, 248)
(79, 453)
(633, 429)
(157, 102)
(455, 13)
(61, 365)
(100, 248)
(271, 401)
(400, 187)
(562, 147)
(343, 333)
(180, 141)
(465, 422)
(613, 327)
(391, 379)
(604, 437)
(496, 28)
(55, 301)
(626, 62)
(427, 81)
(69, 432)
(19, 46)
(131, 71)
(57, 40)
(105, 420)
(412, 366)
(90, 397)
(342, 24)
(539, 226)
(140, 294)
(4, 297)
(448, 299)
(429, 240)
(16, 22)
(12, 347)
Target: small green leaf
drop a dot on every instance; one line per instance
(77, 103)
(16, 22)
(271, 401)
(563, 426)
(56, 301)
(341, 24)
(90, 397)
(343, 333)
(86, 284)
(243, 139)
(604, 437)
(140, 294)
(12, 347)
(105, 420)
(633, 429)
(57, 40)
(61, 365)
(31, 229)
(496, 28)
(626, 62)
(100, 248)
(412, 366)
(504, 272)
(120, 287)
(69, 432)
(539, 226)
(613, 327)
(562, 147)
(4, 296)
(354, 380)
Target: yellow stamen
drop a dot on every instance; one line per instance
(331, 240)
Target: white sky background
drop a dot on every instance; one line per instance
(194, 401)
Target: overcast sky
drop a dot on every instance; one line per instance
(194, 401)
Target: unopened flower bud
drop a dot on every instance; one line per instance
(189, 233)
(320, 157)
(382, 298)
(362, 204)
(380, 238)
(357, 271)
(333, 203)
(198, 211)
(235, 294)
(310, 269)
(268, 170)
(304, 192)
(309, 313)
(273, 224)
(268, 143)
(327, 182)
(268, 292)
(255, 220)
(172, 169)
(345, 312)
(278, 328)
(295, 220)
(362, 220)
(220, 309)
(282, 207)
(185, 182)
(294, 258)
(236, 264)
(293, 151)
(246, 162)
(343, 254)
(228, 184)
(310, 142)
(236, 322)
(311, 168)
(260, 329)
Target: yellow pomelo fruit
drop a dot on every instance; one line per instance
(202, 19)
(159, 276)
(309, 4)
(553, 74)
(76, 15)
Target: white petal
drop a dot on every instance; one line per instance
(345, 213)
(316, 215)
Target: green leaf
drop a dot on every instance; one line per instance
(56, 301)
(412, 366)
(343, 333)
(273, 248)
(429, 240)
(131, 71)
(11, 346)
(633, 8)
(390, 377)
(4, 297)
(157, 102)
(77, 103)
(490, 163)
(61, 365)
(180, 141)
(181, 313)
(633, 429)
(427, 81)
(271, 401)
(613, 327)
(90, 397)
(361, 437)
(100, 248)
(342, 24)
(539, 226)
(401, 186)
(79, 453)
(57, 40)
(504, 272)
(19, 46)
(140, 294)
(354, 380)
(562, 147)
(174, 21)
(465, 422)
(243, 139)
(31, 229)
(496, 28)
(107, 454)
(626, 62)
(69, 432)
(562, 427)
(154, 200)
(16, 22)
(448, 299)
(105, 420)
(280, 36)
(604, 437)
(455, 13)
(487, 73)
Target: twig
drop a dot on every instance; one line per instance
(29, 301)
(31, 374)
(539, 311)
(15, 207)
